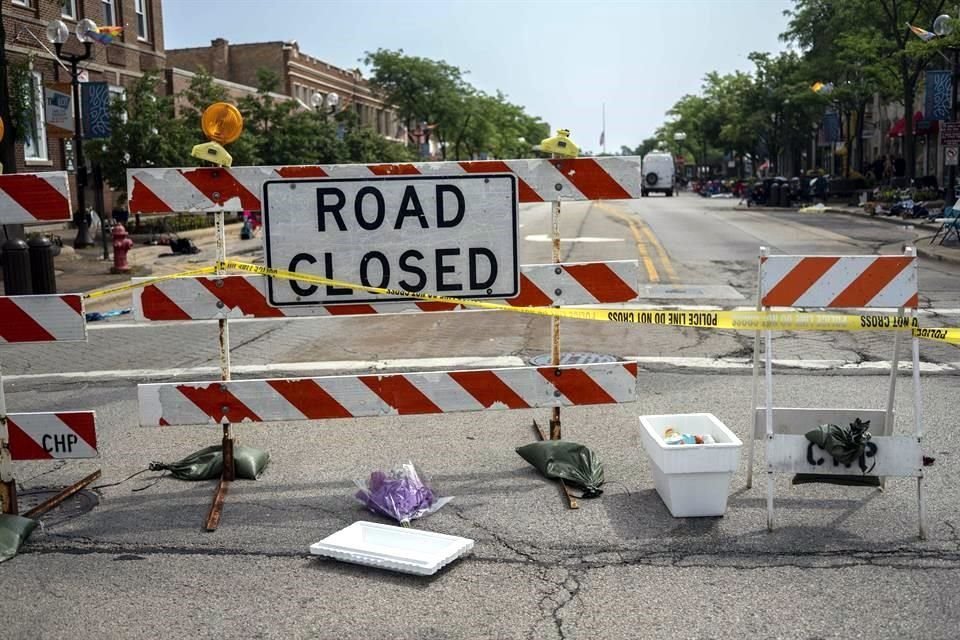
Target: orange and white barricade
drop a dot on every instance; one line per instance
(224, 297)
(837, 282)
(60, 435)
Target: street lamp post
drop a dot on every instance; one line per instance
(942, 27)
(679, 137)
(57, 34)
(332, 102)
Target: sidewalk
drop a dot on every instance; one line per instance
(84, 270)
(949, 251)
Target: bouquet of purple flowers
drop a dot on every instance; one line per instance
(400, 494)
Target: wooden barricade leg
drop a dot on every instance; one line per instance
(8, 485)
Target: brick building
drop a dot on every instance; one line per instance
(137, 50)
(302, 77)
(177, 81)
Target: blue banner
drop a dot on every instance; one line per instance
(830, 128)
(939, 87)
(95, 108)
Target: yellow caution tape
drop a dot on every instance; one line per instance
(739, 320)
(736, 320)
(99, 293)
(950, 336)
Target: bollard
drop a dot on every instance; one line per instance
(42, 272)
(15, 261)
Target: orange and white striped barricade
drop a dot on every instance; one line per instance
(417, 393)
(30, 198)
(838, 282)
(61, 435)
(222, 189)
(211, 297)
(212, 189)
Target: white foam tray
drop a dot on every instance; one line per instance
(396, 548)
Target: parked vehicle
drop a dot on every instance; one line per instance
(658, 173)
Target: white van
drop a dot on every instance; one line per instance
(657, 173)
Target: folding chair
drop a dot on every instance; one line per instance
(949, 223)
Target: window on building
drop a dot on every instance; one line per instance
(69, 9)
(23, 3)
(35, 144)
(143, 26)
(110, 17)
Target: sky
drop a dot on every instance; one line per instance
(561, 60)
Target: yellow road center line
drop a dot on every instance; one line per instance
(648, 263)
(664, 257)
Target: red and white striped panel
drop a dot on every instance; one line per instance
(42, 318)
(383, 395)
(238, 188)
(34, 197)
(52, 436)
(243, 296)
(838, 281)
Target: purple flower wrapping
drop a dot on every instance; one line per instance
(400, 495)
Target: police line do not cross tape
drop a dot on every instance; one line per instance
(738, 320)
(735, 320)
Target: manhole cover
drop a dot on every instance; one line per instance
(574, 357)
(76, 505)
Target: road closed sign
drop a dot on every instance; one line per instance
(451, 236)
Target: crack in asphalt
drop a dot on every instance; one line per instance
(562, 570)
(572, 558)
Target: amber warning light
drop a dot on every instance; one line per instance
(222, 124)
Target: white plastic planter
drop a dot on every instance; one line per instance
(692, 479)
(392, 547)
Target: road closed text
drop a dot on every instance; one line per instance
(450, 236)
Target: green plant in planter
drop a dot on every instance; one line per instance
(845, 445)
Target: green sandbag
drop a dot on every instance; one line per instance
(569, 461)
(846, 445)
(14, 531)
(207, 464)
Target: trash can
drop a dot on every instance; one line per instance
(774, 199)
(785, 193)
(692, 479)
(15, 261)
(42, 273)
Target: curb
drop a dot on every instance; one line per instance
(933, 255)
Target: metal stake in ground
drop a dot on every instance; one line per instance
(228, 474)
(555, 431)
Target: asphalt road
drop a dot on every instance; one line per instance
(843, 562)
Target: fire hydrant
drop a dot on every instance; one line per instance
(121, 245)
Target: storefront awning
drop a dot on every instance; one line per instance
(921, 126)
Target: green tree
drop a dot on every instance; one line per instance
(877, 31)
(202, 92)
(466, 122)
(422, 90)
(282, 132)
(144, 133)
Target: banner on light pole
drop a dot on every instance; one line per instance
(95, 104)
(58, 103)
